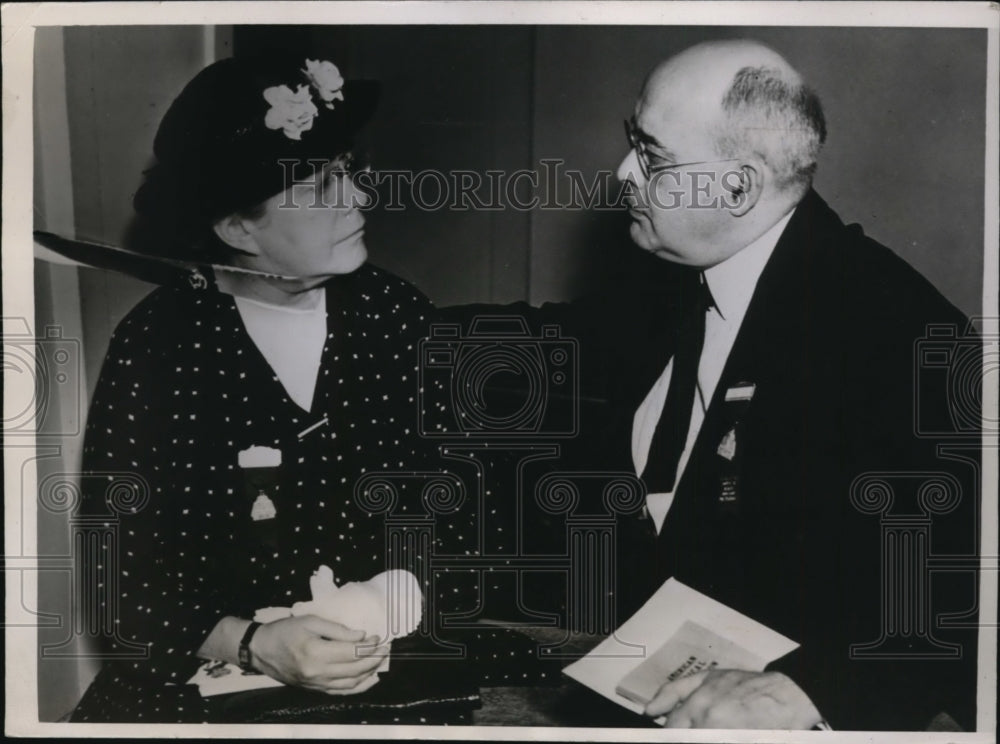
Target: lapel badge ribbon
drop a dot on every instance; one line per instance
(260, 466)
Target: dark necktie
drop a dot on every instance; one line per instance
(672, 429)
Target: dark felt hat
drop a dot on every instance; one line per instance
(242, 128)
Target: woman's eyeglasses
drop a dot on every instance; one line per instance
(348, 164)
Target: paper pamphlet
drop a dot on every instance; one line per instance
(220, 678)
(691, 649)
(678, 632)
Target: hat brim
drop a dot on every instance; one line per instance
(364, 96)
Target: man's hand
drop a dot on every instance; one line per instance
(730, 698)
(317, 654)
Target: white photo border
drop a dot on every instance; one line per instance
(19, 24)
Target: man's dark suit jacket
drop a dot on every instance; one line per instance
(831, 344)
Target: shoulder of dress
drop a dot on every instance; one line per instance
(171, 310)
(378, 282)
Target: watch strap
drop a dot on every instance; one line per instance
(243, 653)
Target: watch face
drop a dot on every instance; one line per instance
(244, 657)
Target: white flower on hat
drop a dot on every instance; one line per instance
(326, 79)
(291, 112)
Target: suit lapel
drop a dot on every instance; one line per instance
(760, 354)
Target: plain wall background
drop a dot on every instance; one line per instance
(453, 98)
(99, 95)
(905, 112)
(904, 157)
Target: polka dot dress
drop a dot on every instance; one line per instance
(182, 392)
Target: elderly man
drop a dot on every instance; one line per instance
(758, 392)
(760, 379)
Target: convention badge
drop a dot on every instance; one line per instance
(741, 392)
(263, 508)
(728, 496)
(259, 457)
(737, 400)
(260, 469)
(728, 490)
(727, 447)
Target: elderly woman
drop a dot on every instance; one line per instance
(292, 354)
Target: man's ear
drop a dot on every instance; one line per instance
(232, 230)
(744, 186)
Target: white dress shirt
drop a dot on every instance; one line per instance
(732, 284)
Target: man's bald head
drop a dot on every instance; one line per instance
(748, 100)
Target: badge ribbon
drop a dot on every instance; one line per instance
(737, 400)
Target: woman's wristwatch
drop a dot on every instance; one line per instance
(243, 653)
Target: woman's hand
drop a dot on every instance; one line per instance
(317, 654)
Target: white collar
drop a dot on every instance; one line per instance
(318, 309)
(733, 281)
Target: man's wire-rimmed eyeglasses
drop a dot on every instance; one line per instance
(637, 141)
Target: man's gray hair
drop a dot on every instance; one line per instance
(777, 119)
